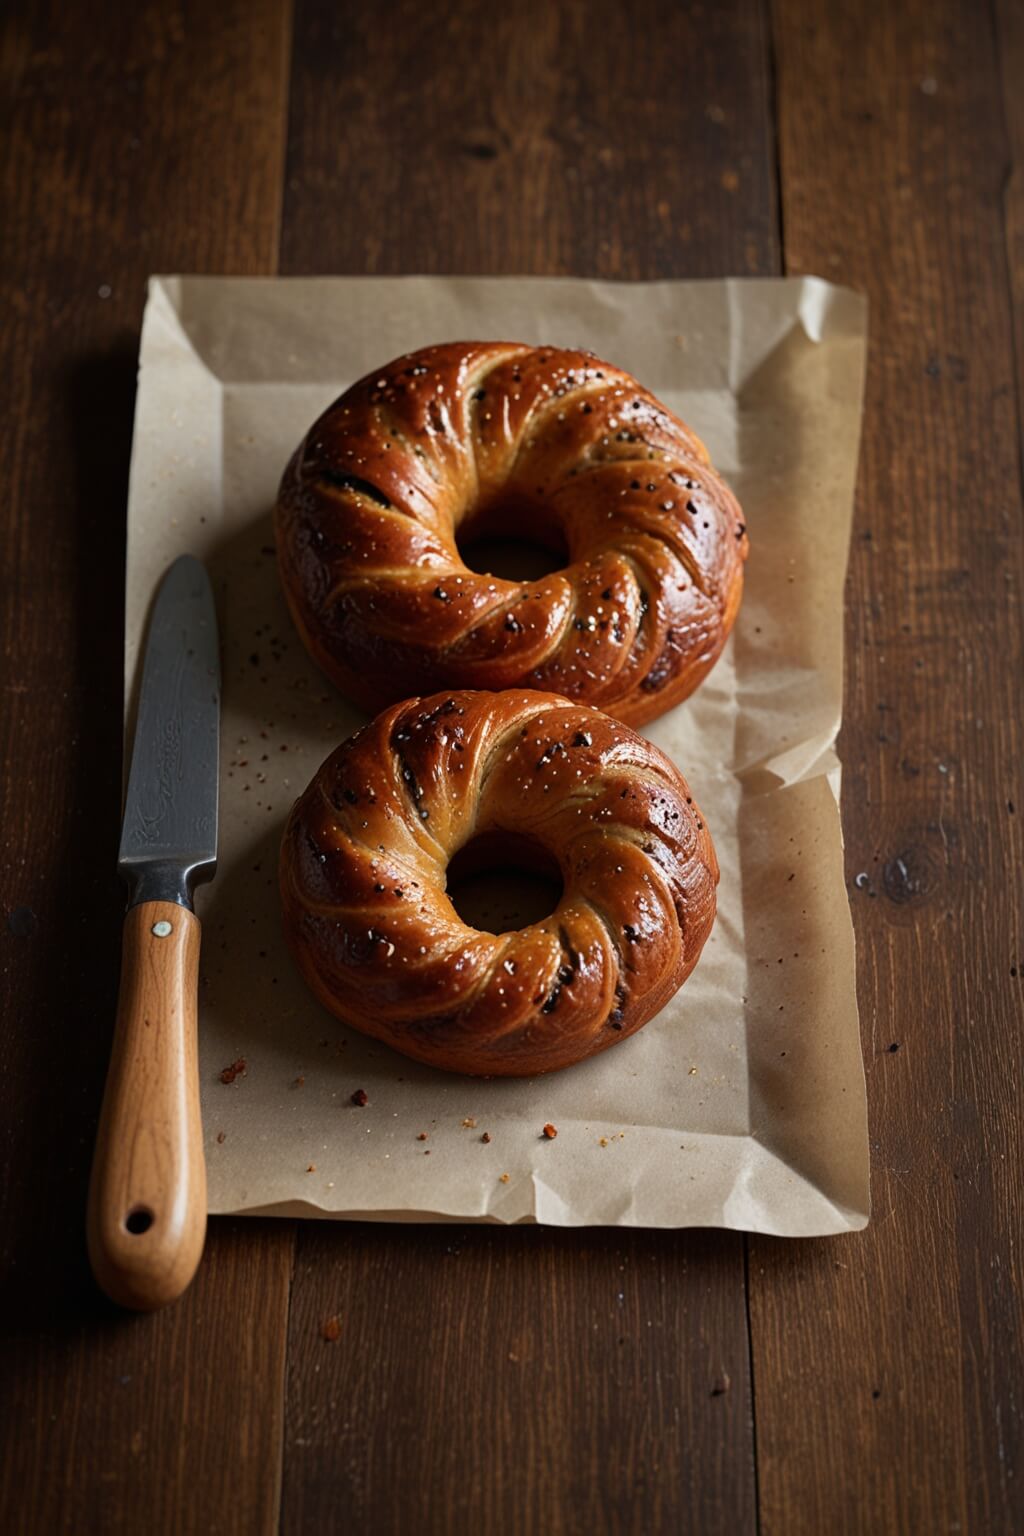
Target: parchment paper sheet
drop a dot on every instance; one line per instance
(742, 1105)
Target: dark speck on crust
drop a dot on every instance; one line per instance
(617, 1016)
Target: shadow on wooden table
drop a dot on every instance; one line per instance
(64, 972)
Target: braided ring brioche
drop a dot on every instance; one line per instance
(363, 869)
(486, 438)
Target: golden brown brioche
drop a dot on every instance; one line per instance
(367, 847)
(489, 438)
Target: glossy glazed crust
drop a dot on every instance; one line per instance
(491, 434)
(363, 867)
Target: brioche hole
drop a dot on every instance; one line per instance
(513, 540)
(500, 881)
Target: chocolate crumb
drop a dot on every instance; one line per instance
(221, 1138)
(486, 1136)
(237, 1069)
(422, 1135)
(360, 1097)
(311, 1168)
(330, 1330)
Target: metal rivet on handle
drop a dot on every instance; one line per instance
(160, 930)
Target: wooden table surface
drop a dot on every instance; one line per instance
(490, 1379)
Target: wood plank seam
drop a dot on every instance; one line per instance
(778, 264)
(285, 125)
(753, 1381)
(1008, 35)
(284, 130)
(772, 63)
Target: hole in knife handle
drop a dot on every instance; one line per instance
(139, 1220)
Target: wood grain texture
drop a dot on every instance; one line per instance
(146, 1218)
(531, 138)
(1009, 36)
(519, 1380)
(524, 1381)
(134, 138)
(888, 1365)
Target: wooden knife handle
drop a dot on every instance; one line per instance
(147, 1197)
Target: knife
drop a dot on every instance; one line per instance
(147, 1197)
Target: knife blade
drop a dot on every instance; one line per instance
(169, 833)
(147, 1196)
